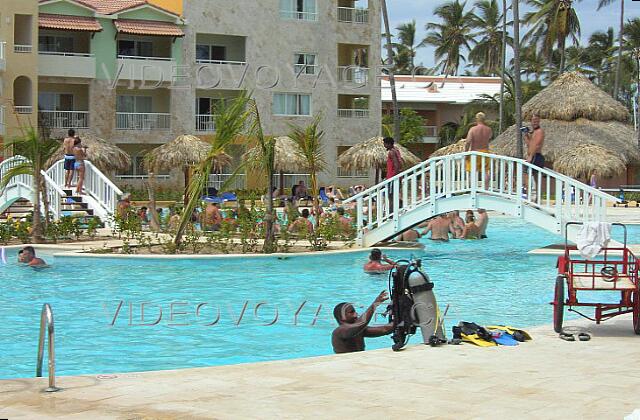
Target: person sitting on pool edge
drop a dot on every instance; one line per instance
(352, 329)
(29, 257)
(375, 264)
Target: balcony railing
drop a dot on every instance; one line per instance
(2, 50)
(22, 48)
(231, 62)
(64, 119)
(65, 54)
(142, 121)
(139, 57)
(141, 176)
(217, 181)
(353, 74)
(2, 126)
(353, 15)
(23, 109)
(295, 15)
(206, 123)
(430, 131)
(343, 173)
(353, 113)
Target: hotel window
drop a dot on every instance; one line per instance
(291, 104)
(50, 101)
(298, 9)
(59, 44)
(210, 53)
(134, 104)
(135, 48)
(305, 63)
(207, 106)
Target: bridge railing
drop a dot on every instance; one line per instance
(478, 173)
(12, 162)
(54, 196)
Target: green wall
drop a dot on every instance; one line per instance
(63, 8)
(104, 47)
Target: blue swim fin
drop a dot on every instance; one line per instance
(504, 339)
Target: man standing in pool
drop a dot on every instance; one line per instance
(440, 227)
(482, 223)
(29, 257)
(352, 329)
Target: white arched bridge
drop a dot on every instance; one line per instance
(474, 180)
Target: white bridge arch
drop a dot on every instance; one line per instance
(504, 184)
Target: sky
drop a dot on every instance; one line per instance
(591, 20)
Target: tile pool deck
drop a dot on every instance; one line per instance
(544, 378)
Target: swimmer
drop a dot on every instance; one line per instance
(21, 257)
(471, 230)
(440, 227)
(375, 264)
(29, 257)
(482, 222)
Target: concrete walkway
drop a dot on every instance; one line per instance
(544, 378)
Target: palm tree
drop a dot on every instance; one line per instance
(503, 65)
(264, 162)
(552, 22)
(230, 123)
(451, 37)
(309, 141)
(532, 63)
(37, 151)
(598, 56)
(406, 48)
(601, 4)
(392, 78)
(486, 54)
(517, 83)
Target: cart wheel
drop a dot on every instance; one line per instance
(636, 313)
(558, 304)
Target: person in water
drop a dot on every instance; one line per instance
(457, 223)
(440, 227)
(376, 265)
(471, 230)
(29, 257)
(352, 329)
(482, 222)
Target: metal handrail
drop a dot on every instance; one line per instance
(46, 318)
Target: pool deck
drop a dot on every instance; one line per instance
(543, 378)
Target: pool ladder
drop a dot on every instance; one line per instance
(46, 320)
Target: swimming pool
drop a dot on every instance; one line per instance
(97, 303)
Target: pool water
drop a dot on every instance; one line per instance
(217, 312)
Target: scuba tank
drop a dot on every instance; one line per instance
(413, 304)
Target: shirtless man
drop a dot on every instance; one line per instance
(352, 329)
(410, 235)
(69, 157)
(457, 224)
(345, 223)
(440, 227)
(212, 217)
(80, 153)
(375, 264)
(482, 223)
(302, 224)
(29, 257)
(471, 230)
(478, 140)
(535, 142)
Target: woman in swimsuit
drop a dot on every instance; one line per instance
(80, 152)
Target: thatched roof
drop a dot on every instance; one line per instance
(372, 154)
(581, 160)
(287, 159)
(106, 156)
(457, 147)
(572, 96)
(562, 135)
(185, 150)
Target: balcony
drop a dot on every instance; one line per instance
(154, 69)
(353, 113)
(353, 74)
(23, 109)
(143, 121)
(66, 64)
(298, 15)
(3, 63)
(205, 123)
(64, 119)
(353, 15)
(22, 48)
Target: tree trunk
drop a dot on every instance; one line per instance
(503, 63)
(563, 55)
(316, 202)
(518, 88)
(392, 79)
(36, 225)
(616, 86)
(154, 222)
(268, 247)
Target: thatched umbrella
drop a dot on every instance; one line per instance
(183, 152)
(457, 147)
(104, 155)
(574, 111)
(581, 160)
(372, 154)
(286, 158)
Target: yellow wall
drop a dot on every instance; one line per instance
(174, 6)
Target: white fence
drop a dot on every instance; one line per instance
(217, 181)
(142, 121)
(295, 15)
(23, 109)
(353, 74)
(64, 119)
(353, 15)
(22, 48)
(353, 113)
(206, 123)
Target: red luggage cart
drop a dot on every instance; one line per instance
(615, 271)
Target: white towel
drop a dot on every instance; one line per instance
(592, 238)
